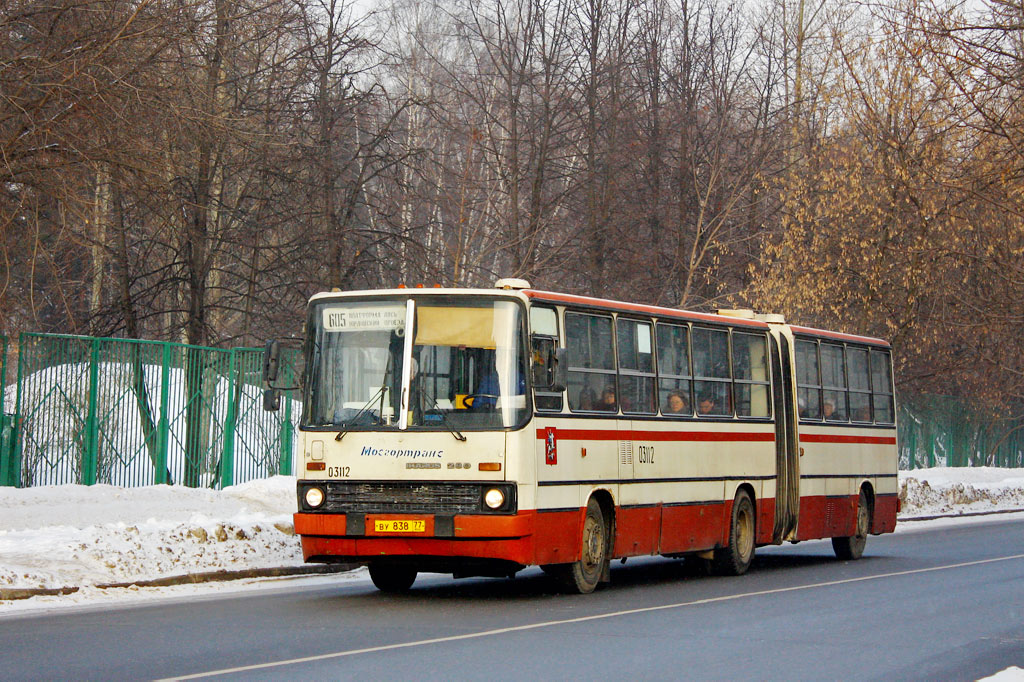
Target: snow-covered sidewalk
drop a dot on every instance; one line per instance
(84, 537)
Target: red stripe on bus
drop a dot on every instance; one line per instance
(681, 436)
(870, 440)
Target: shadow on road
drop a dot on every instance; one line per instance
(532, 583)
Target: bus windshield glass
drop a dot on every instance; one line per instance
(463, 369)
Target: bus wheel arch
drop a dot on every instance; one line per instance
(738, 553)
(852, 547)
(591, 567)
(867, 489)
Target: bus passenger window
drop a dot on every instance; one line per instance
(833, 379)
(807, 380)
(636, 367)
(591, 375)
(750, 374)
(675, 384)
(711, 372)
(881, 386)
(860, 384)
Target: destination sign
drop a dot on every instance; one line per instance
(364, 319)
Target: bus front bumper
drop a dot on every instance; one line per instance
(359, 537)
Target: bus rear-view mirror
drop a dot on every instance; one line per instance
(271, 400)
(271, 362)
(559, 367)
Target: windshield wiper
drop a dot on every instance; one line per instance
(351, 422)
(381, 392)
(451, 427)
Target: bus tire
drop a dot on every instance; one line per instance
(391, 578)
(735, 558)
(583, 575)
(852, 547)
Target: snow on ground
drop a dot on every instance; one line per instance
(86, 537)
(946, 490)
(71, 535)
(1013, 674)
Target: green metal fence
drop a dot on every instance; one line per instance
(133, 413)
(260, 441)
(946, 431)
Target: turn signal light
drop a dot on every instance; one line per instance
(316, 466)
(490, 466)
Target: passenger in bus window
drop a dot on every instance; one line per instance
(588, 401)
(706, 405)
(828, 408)
(608, 403)
(676, 404)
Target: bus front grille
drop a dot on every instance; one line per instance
(401, 498)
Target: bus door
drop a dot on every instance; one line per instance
(787, 455)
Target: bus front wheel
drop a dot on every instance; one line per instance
(735, 557)
(583, 575)
(391, 578)
(852, 547)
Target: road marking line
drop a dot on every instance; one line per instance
(583, 619)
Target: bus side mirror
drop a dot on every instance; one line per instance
(271, 400)
(271, 362)
(560, 367)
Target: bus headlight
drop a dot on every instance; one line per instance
(314, 497)
(494, 498)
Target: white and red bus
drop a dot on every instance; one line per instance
(476, 432)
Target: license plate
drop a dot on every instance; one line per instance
(400, 526)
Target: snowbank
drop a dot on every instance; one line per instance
(63, 536)
(945, 490)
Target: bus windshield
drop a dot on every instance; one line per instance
(464, 368)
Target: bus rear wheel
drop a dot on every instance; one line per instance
(735, 558)
(852, 547)
(391, 578)
(583, 575)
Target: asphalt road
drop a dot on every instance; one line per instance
(934, 603)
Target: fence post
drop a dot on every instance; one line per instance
(163, 437)
(90, 455)
(15, 464)
(227, 458)
(6, 428)
(6, 450)
(287, 436)
(3, 374)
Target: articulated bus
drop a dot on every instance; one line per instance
(476, 432)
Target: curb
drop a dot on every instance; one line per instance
(965, 515)
(222, 575)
